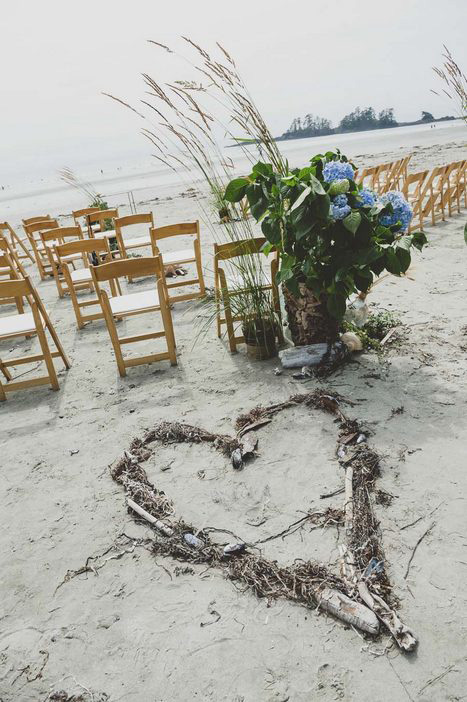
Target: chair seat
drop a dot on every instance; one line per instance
(185, 256)
(109, 234)
(82, 275)
(134, 302)
(17, 325)
(137, 241)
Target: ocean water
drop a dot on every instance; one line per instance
(148, 180)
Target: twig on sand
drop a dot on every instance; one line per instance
(437, 678)
(425, 533)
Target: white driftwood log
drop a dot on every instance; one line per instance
(348, 610)
(161, 526)
(401, 633)
(348, 500)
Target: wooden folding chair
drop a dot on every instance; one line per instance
(228, 282)
(81, 278)
(392, 177)
(367, 177)
(27, 324)
(16, 242)
(453, 185)
(83, 219)
(103, 219)
(126, 240)
(59, 235)
(413, 187)
(7, 248)
(432, 203)
(9, 271)
(33, 230)
(120, 306)
(381, 176)
(178, 258)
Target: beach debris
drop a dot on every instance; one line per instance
(253, 426)
(361, 438)
(311, 355)
(161, 526)
(388, 336)
(361, 600)
(193, 540)
(305, 373)
(237, 459)
(277, 371)
(234, 549)
(248, 444)
(352, 341)
(357, 313)
(73, 452)
(374, 566)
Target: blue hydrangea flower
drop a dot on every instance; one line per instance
(337, 170)
(402, 210)
(340, 207)
(368, 198)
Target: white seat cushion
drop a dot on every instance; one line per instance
(17, 324)
(137, 241)
(109, 234)
(81, 275)
(122, 304)
(184, 256)
(237, 280)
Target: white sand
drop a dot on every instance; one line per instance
(134, 631)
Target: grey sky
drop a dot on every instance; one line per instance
(296, 57)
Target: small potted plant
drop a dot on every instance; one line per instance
(333, 237)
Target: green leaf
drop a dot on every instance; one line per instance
(264, 169)
(267, 248)
(352, 221)
(392, 262)
(236, 189)
(465, 233)
(336, 305)
(404, 258)
(316, 184)
(301, 198)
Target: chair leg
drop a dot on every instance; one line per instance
(109, 320)
(45, 349)
(5, 371)
(2, 393)
(229, 321)
(168, 326)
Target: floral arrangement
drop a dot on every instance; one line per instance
(334, 236)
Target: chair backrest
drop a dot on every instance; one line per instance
(77, 214)
(129, 220)
(130, 267)
(16, 288)
(60, 233)
(233, 249)
(181, 229)
(101, 215)
(369, 172)
(6, 261)
(84, 246)
(37, 218)
(41, 225)
(4, 226)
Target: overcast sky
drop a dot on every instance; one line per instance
(324, 57)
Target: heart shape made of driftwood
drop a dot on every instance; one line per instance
(360, 595)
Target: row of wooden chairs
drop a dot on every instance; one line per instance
(385, 176)
(436, 195)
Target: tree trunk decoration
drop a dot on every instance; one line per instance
(308, 318)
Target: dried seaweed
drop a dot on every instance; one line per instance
(302, 581)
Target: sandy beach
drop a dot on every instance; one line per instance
(139, 628)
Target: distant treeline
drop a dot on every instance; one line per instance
(357, 121)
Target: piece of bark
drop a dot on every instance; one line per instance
(161, 526)
(348, 500)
